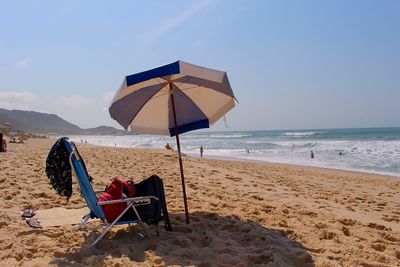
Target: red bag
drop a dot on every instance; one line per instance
(115, 191)
(128, 189)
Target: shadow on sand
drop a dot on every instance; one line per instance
(210, 240)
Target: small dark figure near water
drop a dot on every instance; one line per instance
(201, 151)
(340, 153)
(3, 144)
(312, 154)
(168, 147)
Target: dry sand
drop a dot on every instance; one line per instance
(242, 214)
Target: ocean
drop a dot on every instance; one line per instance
(374, 150)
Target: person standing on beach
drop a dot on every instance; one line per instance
(312, 154)
(201, 151)
(3, 144)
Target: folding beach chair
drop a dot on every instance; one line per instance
(92, 200)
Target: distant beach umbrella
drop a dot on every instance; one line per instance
(171, 100)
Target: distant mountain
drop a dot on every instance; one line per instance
(43, 123)
(107, 130)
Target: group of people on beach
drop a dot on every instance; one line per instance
(312, 154)
(14, 140)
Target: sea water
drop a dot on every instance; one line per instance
(375, 150)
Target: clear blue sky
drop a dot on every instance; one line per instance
(292, 64)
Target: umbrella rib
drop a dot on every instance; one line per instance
(160, 95)
(189, 88)
(180, 83)
(184, 79)
(162, 80)
(223, 87)
(162, 89)
(193, 87)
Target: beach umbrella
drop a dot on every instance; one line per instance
(171, 100)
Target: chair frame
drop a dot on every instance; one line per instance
(93, 203)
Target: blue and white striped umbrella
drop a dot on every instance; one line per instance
(144, 101)
(172, 99)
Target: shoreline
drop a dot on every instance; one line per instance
(294, 165)
(236, 159)
(292, 161)
(359, 150)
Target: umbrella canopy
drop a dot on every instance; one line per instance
(172, 99)
(143, 102)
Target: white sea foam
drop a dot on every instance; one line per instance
(229, 135)
(301, 134)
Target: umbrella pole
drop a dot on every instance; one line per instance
(179, 154)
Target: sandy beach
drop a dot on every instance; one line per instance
(242, 213)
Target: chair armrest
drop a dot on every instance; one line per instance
(137, 201)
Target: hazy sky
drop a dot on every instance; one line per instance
(292, 64)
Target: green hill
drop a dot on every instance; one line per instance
(44, 123)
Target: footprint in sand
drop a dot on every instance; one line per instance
(390, 237)
(346, 231)
(182, 242)
(183, 229)
(40, 195)
(327, 235)
(378, 246)
(202, 242)
(257, 197)
(268, 209)
(350, 208)
(29, 232)
(262, 258)
(321, 226)
(391, 218)
(379, 227)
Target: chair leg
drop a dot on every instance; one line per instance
(108, 226)
(84, 221)
(106, 229)
(140, 221)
